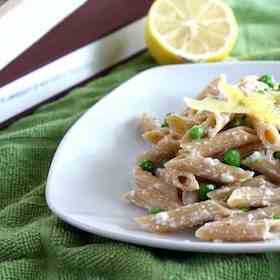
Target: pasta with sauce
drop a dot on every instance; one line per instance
(216, 166)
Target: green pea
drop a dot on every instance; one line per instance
(276, 217)
(204, 189)
(232, 157)
(196, 132)
(164, 124)
(244, 209)
(267, 79)
(155, 210)
(147, 165)
(276, 155)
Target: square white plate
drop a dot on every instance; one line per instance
(92, 167)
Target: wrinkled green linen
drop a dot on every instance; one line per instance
(34, 244)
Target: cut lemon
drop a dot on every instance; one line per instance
(190, 30)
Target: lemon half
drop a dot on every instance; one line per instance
(190, 30)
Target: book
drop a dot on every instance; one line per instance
(97, 36)
(24, 22)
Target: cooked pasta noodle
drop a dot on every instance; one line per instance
(233, 230)
(230, 138)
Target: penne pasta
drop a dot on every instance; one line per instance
(148, 123)
(246, 197)
(213, 88)
(267, 133)
(269, 168)
(231, 138)
(221, 195)
(257, 182)
(233, 230)
(152, 198)
(189, 197)
(183, 217)
(208, 168)
(180, 179)
(216, 122)
(261, 213)
(154, 136)
(179, 124)
(268, 212)
(201, 117)
(145, 180)
(166, 149)
(210, 90)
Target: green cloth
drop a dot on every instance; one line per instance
(35, 244)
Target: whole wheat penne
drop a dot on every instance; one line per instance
(268, 134)
(151, 197)
(183, 217)
(189, 197)
(154, 136)
(213, 88)
(221, 195)
(216, 122)
(179, 124)
(260, 213)
(144, 180)
(230, 138)
(166, 149)
(269, 168)
(208, 168)
(148, 123)
(233, 230)
(254, 214)
(185, 181)
(246, 197)
(258, 182)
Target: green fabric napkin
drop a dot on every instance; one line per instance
(34, 244)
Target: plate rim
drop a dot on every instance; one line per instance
(153, 241)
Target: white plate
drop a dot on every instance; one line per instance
(92, 166)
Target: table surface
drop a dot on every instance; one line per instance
(94, 20)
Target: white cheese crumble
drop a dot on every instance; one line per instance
(132, 193)
(256, 156)
(251, 217)
(161, 218)
(211, 161)
(268, 192)
(227, 177)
